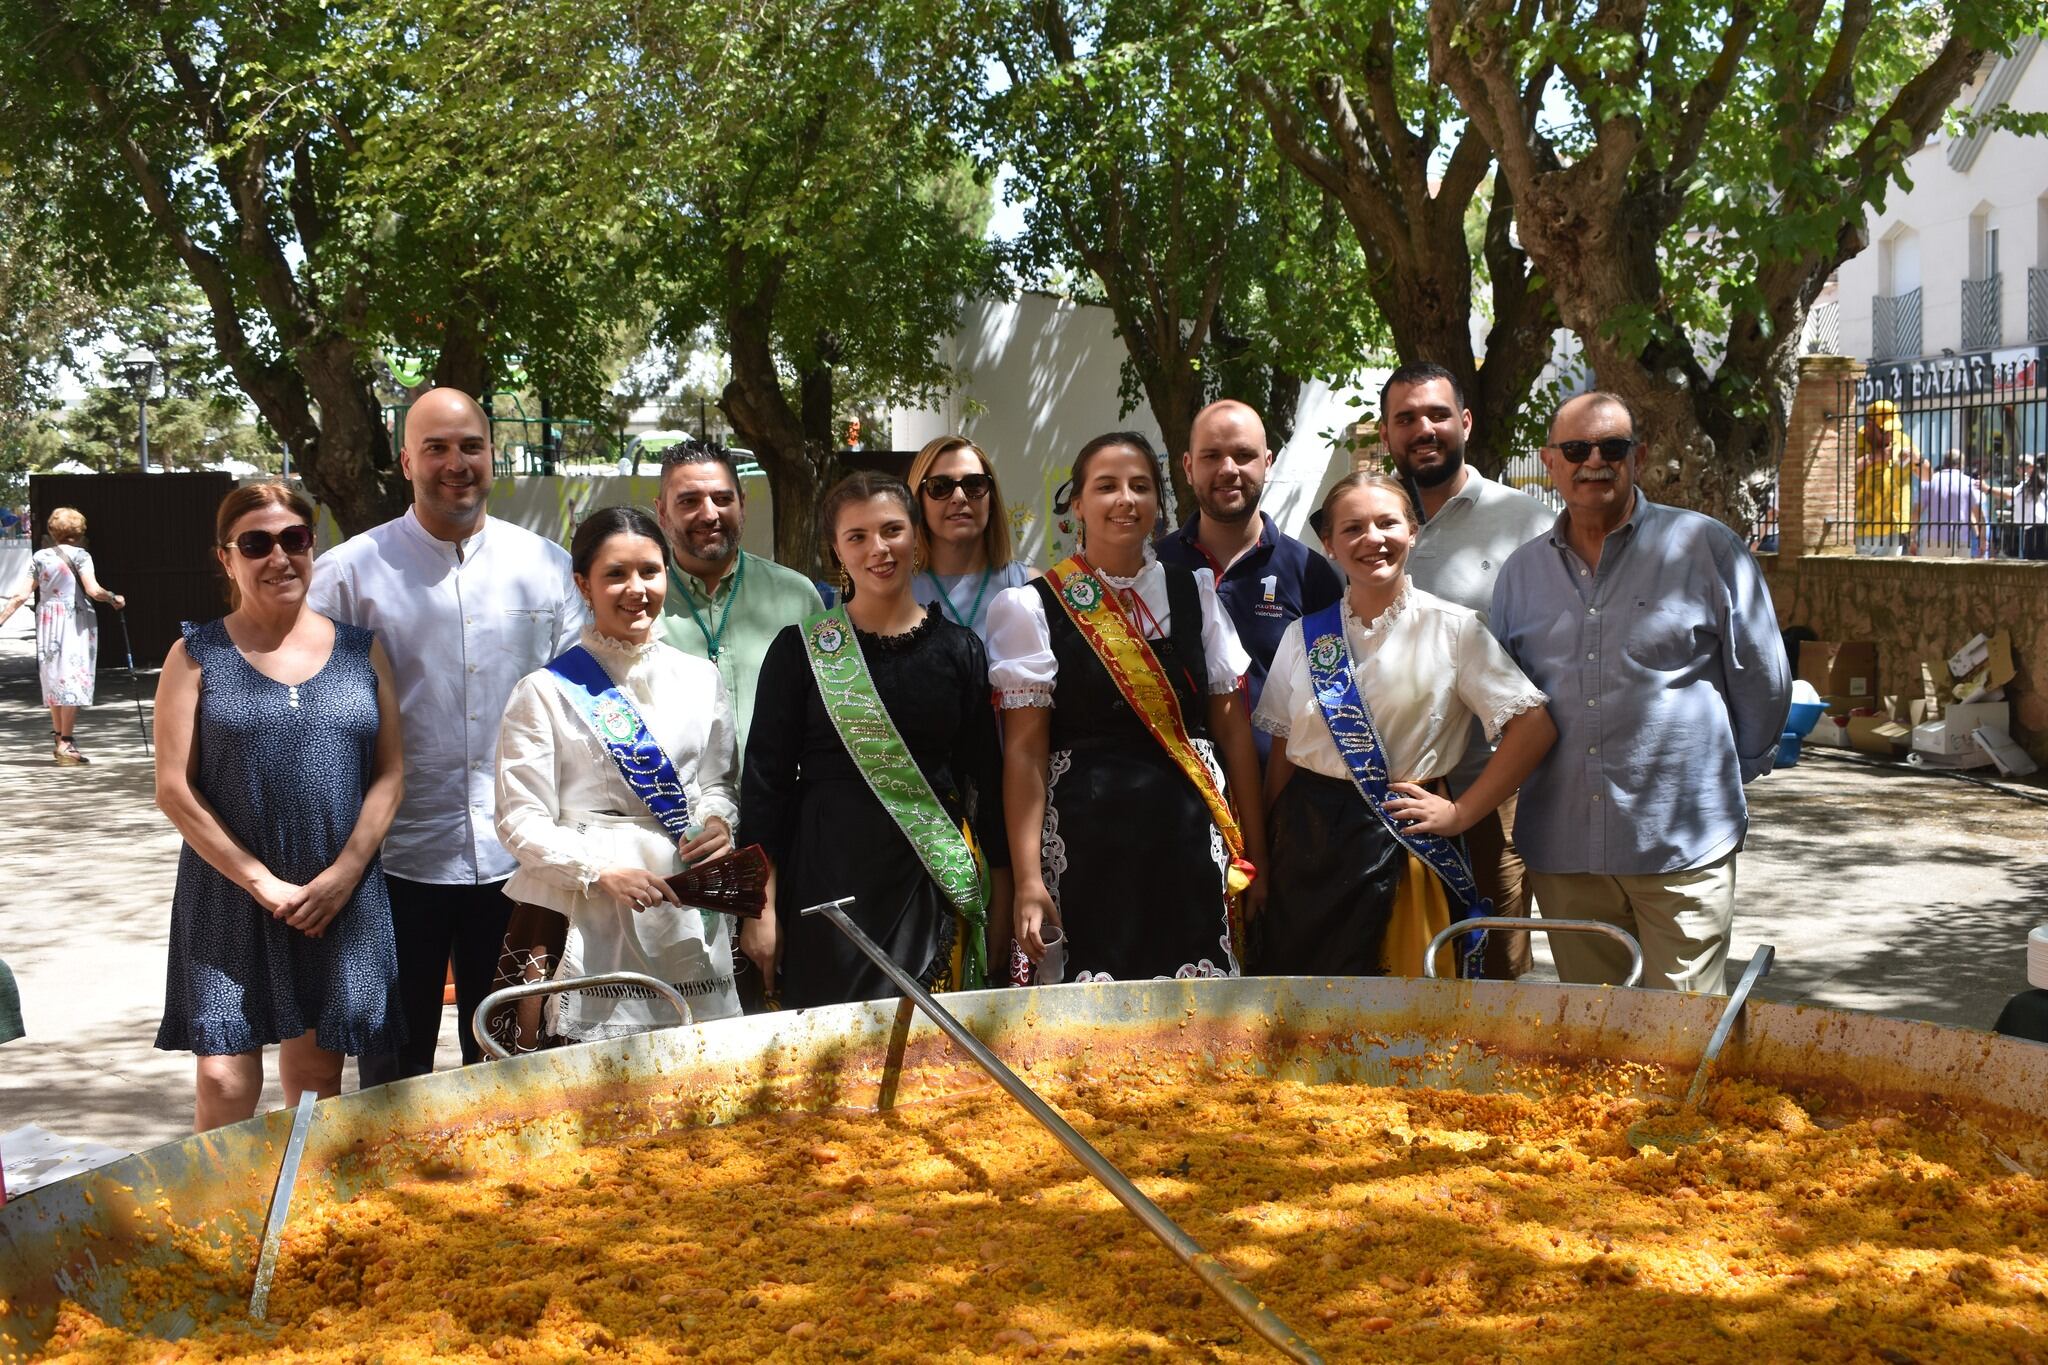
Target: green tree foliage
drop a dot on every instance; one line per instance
(42, 311)
(250, 148)
(1696, 173)
(820, 233)
(1141, 164)
(779, 176)
(1350, 102)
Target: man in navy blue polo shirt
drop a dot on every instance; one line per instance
(1265, 579)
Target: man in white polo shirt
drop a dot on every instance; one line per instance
(1470, 525)
(465, 605)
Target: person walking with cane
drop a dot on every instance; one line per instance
(67, 630)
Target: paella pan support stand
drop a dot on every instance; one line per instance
(1221, 1282)
(526, 990)
(1539, 926)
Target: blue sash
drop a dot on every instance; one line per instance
(1329, 673)
(618, 727)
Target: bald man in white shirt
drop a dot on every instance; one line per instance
(465, 605)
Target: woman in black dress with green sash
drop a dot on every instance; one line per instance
(888, 666)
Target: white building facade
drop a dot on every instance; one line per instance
(1948, 305)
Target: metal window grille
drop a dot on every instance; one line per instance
(1896, 492)
(2037, 304)
(1981, 320)
(1823, 334)
(1895, 326)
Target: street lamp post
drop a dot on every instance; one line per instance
(140, 367)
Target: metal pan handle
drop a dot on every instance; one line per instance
(1546, 926)
(526, 990)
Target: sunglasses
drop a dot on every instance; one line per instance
(294, 540)
(939, 487)
(1613, 449)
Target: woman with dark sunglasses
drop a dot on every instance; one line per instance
(278, 758)
(963, 536)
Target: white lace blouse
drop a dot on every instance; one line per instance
(1021, 666)
(554, 772)
(1424, 668)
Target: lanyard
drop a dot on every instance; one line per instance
(947, 597)
(713, 639)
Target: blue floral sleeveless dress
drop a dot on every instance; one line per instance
(285, 768)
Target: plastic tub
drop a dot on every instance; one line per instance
(1803, 717)
(1788, 747)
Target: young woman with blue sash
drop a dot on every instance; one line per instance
(616, 769)
(1374, 699)
(872, 771)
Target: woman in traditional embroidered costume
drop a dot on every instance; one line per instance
(963, 533)
(1119, 678)
(872, 771)
(1374, 698)
(616, 768)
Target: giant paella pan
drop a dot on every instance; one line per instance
(1401, 1169)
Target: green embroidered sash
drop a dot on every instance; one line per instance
(884, 761)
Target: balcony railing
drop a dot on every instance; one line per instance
(2037, 304)
(1823, 334)
(1981, 320)
(1895, 326)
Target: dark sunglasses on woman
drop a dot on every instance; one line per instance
(295, 540)
(939, 487)
(1613, 449)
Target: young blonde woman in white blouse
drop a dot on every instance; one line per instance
(1348, 894)
(592, 849)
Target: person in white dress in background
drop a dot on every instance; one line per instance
(592, 853)
(67, 630)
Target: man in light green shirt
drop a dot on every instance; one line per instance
(723, 604)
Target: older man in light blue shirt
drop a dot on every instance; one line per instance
(1652, 632)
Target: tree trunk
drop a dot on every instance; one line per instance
(797, 464)
(1594, 223)
(347, 460)
(464, 362)
(1174, 392)
(1283, 400)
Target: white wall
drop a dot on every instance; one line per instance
(1043, 373)
(1037, 380)
(2008, 181)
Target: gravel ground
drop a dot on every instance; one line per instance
(1884, 890)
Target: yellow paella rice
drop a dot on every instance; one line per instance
(1383, 1223)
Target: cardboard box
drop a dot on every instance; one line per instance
(1983, 667)
(1951, 735)
(1840, 669)
(1907, 711)
(1879, 735)
(2012, 760)
(1829, 733)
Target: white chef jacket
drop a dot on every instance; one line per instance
(567, 816)
(461, 624)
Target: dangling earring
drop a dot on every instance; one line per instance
(845, 584)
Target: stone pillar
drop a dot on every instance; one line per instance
(1813, 483)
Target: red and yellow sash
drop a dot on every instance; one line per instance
(1142, 680)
